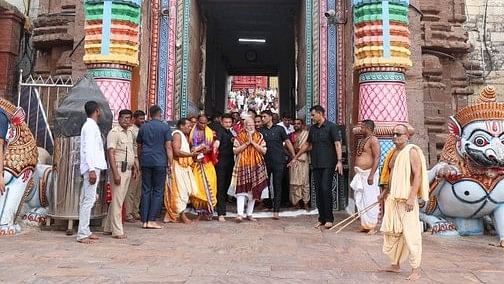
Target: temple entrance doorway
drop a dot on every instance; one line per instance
(253, 40)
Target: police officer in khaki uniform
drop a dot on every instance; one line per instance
(121, 157)
(132, 201)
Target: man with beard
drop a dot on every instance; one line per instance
(324, 141)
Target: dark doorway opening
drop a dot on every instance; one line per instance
(249, 38)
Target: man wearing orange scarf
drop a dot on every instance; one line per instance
(404, 179)
(250, 178)
(202, 140)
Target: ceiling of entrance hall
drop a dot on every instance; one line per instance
(229, 20)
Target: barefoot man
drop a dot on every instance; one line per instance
(404, 178)
(183, 184)
(365, 181)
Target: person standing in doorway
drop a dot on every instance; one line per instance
(155, 152)
(324, 142)
(365, 181)
(132, 201)
(121, 157)
(92, 162)
(299, 172)
(240, 100)
(225, 164)
(275, 137)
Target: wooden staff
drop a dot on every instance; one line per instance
(350, 219)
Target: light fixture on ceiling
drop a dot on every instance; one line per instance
(252, 40)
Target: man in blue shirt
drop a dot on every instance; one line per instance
(155, 152)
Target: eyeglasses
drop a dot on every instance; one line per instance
(398, 134)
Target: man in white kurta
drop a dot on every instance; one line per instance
(92, 161)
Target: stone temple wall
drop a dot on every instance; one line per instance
(485, 27)
(445, 46)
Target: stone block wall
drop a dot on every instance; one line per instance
(444, 46)
(485, 28)
(11, 23)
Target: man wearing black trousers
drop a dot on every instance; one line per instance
(225, 164)
(275, 138)
(324, 142)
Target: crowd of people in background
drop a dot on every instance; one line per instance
(253, 99)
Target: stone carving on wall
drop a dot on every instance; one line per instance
(53, 38)
(444, 50)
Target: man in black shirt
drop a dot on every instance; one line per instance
(275, 137)
(215, 124)
(225, 164)
(324, 141)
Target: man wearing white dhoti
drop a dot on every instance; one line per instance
(365, 181)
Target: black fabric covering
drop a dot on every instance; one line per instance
(70, 116)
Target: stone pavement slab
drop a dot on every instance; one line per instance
(285, 251)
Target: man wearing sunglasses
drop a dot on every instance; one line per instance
(404, 181)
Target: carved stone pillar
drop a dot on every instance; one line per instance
(382, 55)
(111, 47)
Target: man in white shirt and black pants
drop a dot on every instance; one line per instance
(92, 161)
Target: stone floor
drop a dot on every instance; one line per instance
(285, 251)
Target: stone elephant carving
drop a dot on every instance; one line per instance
(20, 159)
(467, 184)
(37, 200)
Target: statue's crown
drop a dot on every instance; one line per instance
(486, 108)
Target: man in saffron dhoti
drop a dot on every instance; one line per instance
(299, 173)
(182, 183)
(365, 181)
(250, 177)
(202, 140)
(404, 179)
